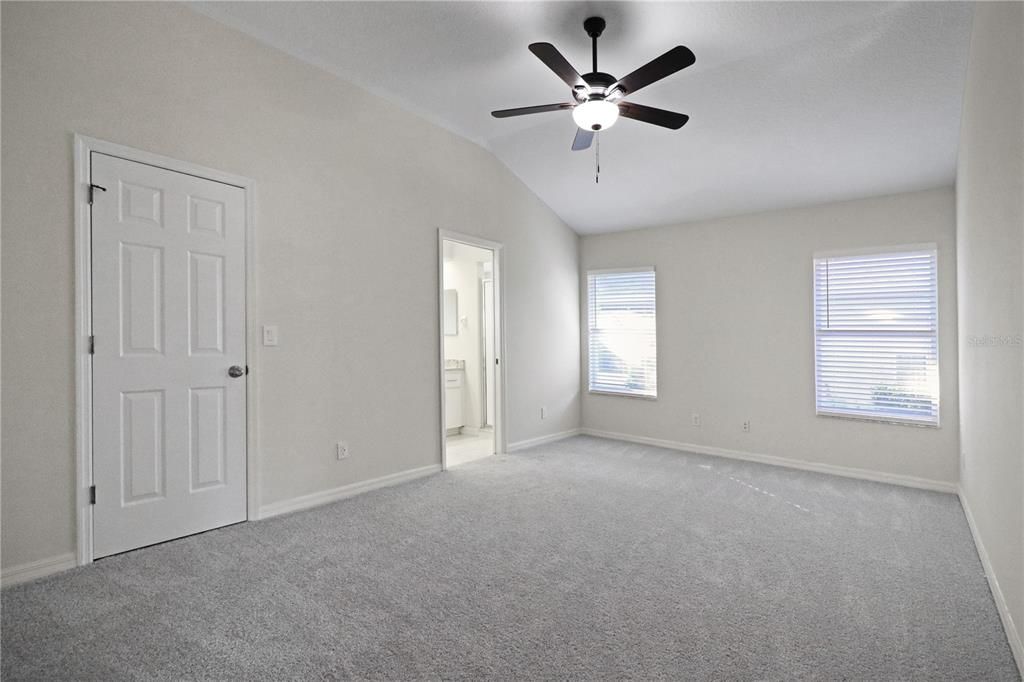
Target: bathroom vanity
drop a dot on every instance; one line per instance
(454, 386)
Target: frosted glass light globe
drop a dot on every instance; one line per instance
(595, 114)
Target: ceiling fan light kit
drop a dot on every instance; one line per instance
(597, 97)
(595, 114)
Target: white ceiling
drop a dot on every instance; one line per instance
(790, 103)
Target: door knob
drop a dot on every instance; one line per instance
(235, 371)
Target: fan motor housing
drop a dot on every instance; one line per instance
(598, 81)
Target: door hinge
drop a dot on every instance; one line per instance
(247, 369)
(92, 494)
(92, 345)
(92, 192)
(496, 361)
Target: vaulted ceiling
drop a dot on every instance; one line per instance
(790, 103)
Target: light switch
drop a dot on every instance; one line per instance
(269, 335)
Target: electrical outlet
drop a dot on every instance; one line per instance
(746, 426)
(695, 419)
(341, 450)
(543, 413)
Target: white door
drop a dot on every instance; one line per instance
(168, 286)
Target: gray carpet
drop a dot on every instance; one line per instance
(584, 559)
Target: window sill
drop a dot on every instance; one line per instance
(622, 395)
(878, 420)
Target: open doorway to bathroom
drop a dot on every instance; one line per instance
(471, 376)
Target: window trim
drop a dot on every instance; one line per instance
(881, 250)
(617, 394)
(613, 271)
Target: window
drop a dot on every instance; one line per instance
(876, 341)
(622, 332)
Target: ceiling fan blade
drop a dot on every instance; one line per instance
(659, 117)
(582, 140)
(676, 59)
(554, 60)
(522, 111)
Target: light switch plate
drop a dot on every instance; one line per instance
(269, 335)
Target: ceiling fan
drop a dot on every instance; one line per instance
(598, 97)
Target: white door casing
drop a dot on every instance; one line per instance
(489, 350)
(168, 307)
(499, 376)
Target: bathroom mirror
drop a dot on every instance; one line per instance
(451, 312)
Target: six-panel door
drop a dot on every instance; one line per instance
(168, 287)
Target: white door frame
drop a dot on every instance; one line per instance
(488, 404)
(500, 391)
(83, 148)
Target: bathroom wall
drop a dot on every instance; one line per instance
(462, 273)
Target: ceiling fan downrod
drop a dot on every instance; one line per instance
(594, 26)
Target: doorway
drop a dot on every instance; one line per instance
(163, 375)
(471, 371)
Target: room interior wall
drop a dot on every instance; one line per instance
(350, 193)
(735, 336)
(990, 259)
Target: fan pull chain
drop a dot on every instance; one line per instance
(597, 159)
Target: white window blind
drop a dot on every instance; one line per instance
(876, 336)
(623, 332)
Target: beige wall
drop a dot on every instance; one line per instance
(735, 339)
(350, 193)
(990, 253)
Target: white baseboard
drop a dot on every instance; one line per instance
(848, 472)
(541, 440)
(334, 494)
(37, 569)
(1012, 634)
